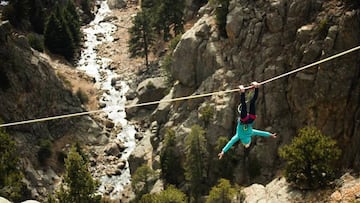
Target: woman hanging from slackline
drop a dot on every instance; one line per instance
(244, 129)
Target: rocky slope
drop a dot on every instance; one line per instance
(32, 88)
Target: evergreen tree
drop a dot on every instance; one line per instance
(222, 9)
(53, 27)
(78, 186)
(165, 16)
(79, 150)
(171, 169)
(222, 192)
(206, 114)
(11, 185)
(142, 181)
(62, 30)
(72, 20)
(170, 13)
(141, 37)
(150, 8)
(58, 38)
(148, 4)
(310, 158)
(195, 163)
(37, 17)
(44, 152)
(17, 11)
(177, 18)
(170, 195)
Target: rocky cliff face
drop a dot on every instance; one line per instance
(266, 39)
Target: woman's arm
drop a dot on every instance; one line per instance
(263, 133)
(233, 140)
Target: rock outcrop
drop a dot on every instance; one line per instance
(278, 190)
(3, 200)
(195, 57)
(117, 4)
(142, 154)
(151, 89)
(347, 191)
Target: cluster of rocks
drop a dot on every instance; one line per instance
(106, 160)
(117, 4)
(347, 189)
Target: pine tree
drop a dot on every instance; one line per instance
(58, 38)
(67, 47)
(310, 158)
(62, 30)
(222, 192)
(72, 20)
(53, 27)
(17, 11)
(177, 17)
(165, 16)
(11, 185)
(141, 37)
(195, 163)
(170, 195)
(78, 186)
(148, 4)
(45, 151)
(79, 150)
(222, 9)
(170, 13)
(37, 17)
(142, 180)
(171, 169)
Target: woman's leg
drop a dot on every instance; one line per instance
(243, 114)
(252, 114)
